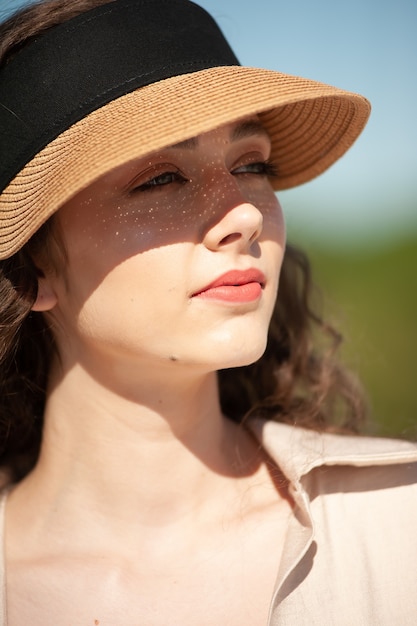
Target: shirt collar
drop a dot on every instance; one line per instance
(298, 450)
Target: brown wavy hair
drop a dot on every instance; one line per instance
(298, 379)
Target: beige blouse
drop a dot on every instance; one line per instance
(350, 556)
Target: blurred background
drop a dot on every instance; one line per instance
(358, 221)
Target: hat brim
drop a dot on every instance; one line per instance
(310, 124)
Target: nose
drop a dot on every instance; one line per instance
(239, 227)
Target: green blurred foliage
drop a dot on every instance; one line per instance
(370, 294)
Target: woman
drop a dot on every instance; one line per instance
(154, 384)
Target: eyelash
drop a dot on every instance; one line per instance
(257, 168)
(154, 183)
(265, 168)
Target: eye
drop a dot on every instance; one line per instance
(160, 180)
(259, 168)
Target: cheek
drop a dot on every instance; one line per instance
(275, 216)
(273, 220)
(112, 235)
(107, 284)
(142, 301)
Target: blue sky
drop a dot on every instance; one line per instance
(368, 46)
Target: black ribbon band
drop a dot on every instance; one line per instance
(84, 63)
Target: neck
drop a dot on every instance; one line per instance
(104, 443)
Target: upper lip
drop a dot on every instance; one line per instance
(234, 278)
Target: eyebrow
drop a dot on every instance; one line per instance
(248, 128)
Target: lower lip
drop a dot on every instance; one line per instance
(249, 292)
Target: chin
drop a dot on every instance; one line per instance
(242, 357)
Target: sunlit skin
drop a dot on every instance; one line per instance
(136, 239)
(142, 483)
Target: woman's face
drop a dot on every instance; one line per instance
(155, 251)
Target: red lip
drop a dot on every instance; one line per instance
(235, 286)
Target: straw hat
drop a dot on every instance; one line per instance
(133, 76)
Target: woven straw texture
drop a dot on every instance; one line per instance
(310, 124)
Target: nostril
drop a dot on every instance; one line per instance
(230, 238)
(255, 235)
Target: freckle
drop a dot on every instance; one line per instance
(173, 358)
